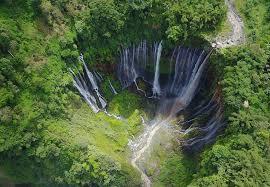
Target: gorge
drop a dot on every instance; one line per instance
(173, 97)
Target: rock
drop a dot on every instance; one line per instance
(246, 104)
(214, 45)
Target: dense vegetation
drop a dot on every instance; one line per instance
(49, 135)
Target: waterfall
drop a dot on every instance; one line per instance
(181, 87)
(207, 133)
(98, 77)
(112, 88)
(189, 66)
(93, 82)
(156, 86)
(132, 64)
(86, 84)
(84, 90)
(174, 96)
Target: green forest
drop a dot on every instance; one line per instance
(49, 136)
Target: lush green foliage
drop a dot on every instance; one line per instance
(256, 17)
(177, 170)
(48, 134)
(103, 26)
(185, 19)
